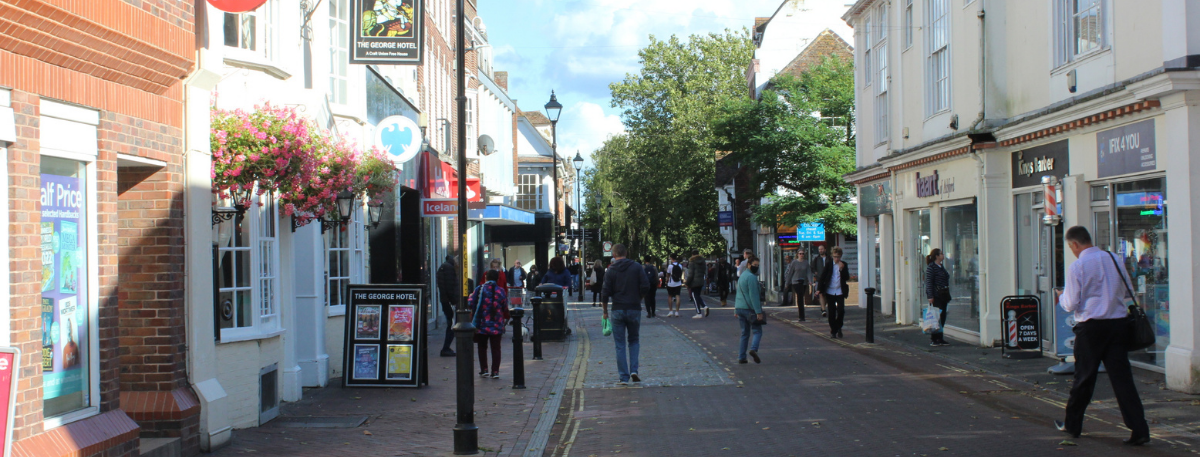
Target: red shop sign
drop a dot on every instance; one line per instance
(236, 6)
(439, 207)
(8, 395)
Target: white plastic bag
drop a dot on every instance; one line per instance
(930, 318)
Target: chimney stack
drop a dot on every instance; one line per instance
(501, 78)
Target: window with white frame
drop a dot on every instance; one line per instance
(881, 92)
(344, 246)
(937, 52)
(908, 23)
(339, 50)
(472, 139)
(248, 265)
(529, 192)
(867, 54)
(1081, 28)
(253, 31)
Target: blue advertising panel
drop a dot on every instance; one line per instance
(810, 231)
(725, 218)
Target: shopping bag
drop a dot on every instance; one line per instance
(930, 320)
(605, 326)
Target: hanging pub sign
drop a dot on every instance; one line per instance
(388, 32)
(1019, 319)
(385, 336)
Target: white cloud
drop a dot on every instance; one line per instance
(584, 127)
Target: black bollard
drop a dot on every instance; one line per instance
(518, 349)
(870, 314)
(537, 328)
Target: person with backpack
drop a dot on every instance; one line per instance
(652, 278)
(490, 305)
(674, 277)
(696, 270)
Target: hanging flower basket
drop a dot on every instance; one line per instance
(375, 175)
(261, 150)
(328, 172)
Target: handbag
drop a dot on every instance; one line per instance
(1141, 333)
(605, 326)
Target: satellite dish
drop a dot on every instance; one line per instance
(486, 145)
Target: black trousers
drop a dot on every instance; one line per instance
(698, 299)
(723, 290)
(939, 335)
(835, 306)
(1103, 340)
(651, 302)
(798, 295)
(448, 310)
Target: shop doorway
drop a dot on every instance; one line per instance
(920, 245)
(1040, 262)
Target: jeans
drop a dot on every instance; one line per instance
(448, 311)
(1096, 341)
(745, 318)
(626, 324)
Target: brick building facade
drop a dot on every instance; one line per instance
(94, 258)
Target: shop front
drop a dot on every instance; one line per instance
(876, 267)
(1039, 261)
(939, 204)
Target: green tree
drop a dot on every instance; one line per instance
(659, 175)
(799, 141)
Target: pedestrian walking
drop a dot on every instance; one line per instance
(937, 290)
(724, 279)
(818, 270)
(797, 278)
(574, 269)
(448, 285)
(535, 278)
(516, 278)
(490, 305)
(597, 280)
(497, 265)
(834, 289)
(625, 283)
(651, 298)
(696, 270)
(748, 306)
(674, 277)
(783, 281)
(557, 274)
(745, 264)
(1096, 287)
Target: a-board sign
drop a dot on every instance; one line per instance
(385, 336)
(8, 395)
(1021, 330)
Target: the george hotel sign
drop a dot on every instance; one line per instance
(387, 32)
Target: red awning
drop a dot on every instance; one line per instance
(236, 6)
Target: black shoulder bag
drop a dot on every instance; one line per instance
(1141, 333)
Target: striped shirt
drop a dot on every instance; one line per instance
(1094, 289)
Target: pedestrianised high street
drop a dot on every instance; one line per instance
(596, 228)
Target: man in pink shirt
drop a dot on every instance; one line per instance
(1095, 292)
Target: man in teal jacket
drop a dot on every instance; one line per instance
(748, 306)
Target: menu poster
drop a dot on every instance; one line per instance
(366, 361)
(64, 286)
(399, 361)
(400, 322)
(366, 323)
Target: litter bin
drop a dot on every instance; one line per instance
(552, 314)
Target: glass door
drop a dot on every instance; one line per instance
(960, 243)
(920, 246)
(1141, 241)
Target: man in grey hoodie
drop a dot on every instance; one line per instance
(625, 284)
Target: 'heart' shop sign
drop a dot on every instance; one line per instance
(400, 137)
(236, 6)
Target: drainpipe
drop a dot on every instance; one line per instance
(982, 67)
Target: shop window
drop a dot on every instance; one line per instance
(339, 50)
(68, 305)
(960, 243)
(1141, 241)
(248, 271)
(1100, 193)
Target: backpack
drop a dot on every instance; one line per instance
(676, 272)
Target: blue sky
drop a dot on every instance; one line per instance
(579, 47)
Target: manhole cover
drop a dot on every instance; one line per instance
(319, 422)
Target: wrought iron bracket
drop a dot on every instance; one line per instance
(220, 215)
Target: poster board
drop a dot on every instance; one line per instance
(385, 336)
(1020, 326)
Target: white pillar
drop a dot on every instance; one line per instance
(309, 290)
(887, 262)
(1181, 149)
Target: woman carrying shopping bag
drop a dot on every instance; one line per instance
(937, 290)
(490, 303)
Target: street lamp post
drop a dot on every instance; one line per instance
(578, 161)
(610, 210)
(553, 109)
(466, 434)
